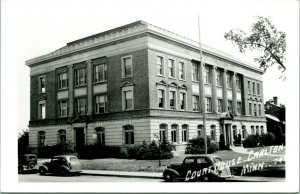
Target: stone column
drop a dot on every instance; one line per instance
(214, 90)
(245, 96)
(89, 87)
(234, 98)
(201, 88)
(225, 101)
(71, 91)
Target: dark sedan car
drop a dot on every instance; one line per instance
(198, 168)
(27, 163)
(63, 165)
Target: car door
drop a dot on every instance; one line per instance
(54, 165)
(202, 162)
(189, 164)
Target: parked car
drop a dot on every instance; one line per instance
(62, 164)
(27, 163)
(198, 168)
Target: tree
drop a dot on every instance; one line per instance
(264, 38)
(23, 141)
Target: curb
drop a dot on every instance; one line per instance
(121, 175)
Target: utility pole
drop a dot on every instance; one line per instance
(201, 86)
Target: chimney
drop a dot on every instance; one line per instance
(275, 98)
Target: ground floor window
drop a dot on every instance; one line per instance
(100, 132)
(62, 137)
(42, 138)
(261, 129)
(252, 130)
(162, 131)
(199, 130)
(257, 130)
(184, 133)
(174, 133)
(129, 134)
(213, 132)
(244, 131)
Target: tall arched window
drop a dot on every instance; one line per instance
(244, 131)
(128, 134)
(174, 133)
(199, 130)
(100, 132)
(184, 135)
(261, 129)
(42, 138)
(162, 132)
(213, 132)
(62, 137)
(252, 130)
(257, 130)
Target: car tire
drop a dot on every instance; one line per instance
(168, 177)
(42, 171)
(31, 165)
(63, 171)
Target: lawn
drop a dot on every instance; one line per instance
(153, 165)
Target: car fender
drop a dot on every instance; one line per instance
(65, 168)
(172, 172)
(44, 167)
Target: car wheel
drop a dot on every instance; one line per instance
(63, 171)
(31, 165)
(42, 171)
(168, 177)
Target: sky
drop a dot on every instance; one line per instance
(34, 27)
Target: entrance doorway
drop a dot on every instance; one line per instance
(79, 137)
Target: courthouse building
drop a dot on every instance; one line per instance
(141, 82)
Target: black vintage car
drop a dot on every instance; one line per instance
(62, 165)
(27, 163)
(198, 168)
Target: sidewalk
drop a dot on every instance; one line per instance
(158, 175)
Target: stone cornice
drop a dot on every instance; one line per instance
(129, 30)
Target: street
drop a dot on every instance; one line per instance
(91, 178)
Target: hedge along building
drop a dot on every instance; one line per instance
(140, 82)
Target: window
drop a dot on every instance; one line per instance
(213, 132)
(62, 136)
(229, 105)
(253, 88)
(184, 133)
(171, 66)
(161, 98)
(199, 130)
(259, 110)
(229, 80)
(42, 81)
(181, 71)
(182, 101)
(254, 110)
(62, 80)
(208, 104)
(261, 129)
(258, 89)
(219, 77)
(238, 83)
(160, 65)
(196, 103)
(244, 132)
(100, 73)
(129, 134)
(172, 99)
(42, 138)
(100, 104)
(249, 87)
(252, 130)
(257, 130)
(220, 105)
(63, 108)
(173, 133)
(80, 77)
(239, 108)
(128, 100)
(42, 110)
(127, 66)
(195, 72)
(81, 107)
(162, 131)
(207, 75)
(250, 108)
(100, 132)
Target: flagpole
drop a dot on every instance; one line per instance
(201, 86)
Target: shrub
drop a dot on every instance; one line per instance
(268, 139)
(59, 149)
(252, 141)
(197, 146)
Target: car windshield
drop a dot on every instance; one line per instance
(73, 159)
(217, 159)
(31, 157)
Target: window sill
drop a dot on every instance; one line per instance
(81, 86)
(195, 81)
(158, 75)
(208, 84)
(172, 78)
(62, 89)
(129, 76)
(99, 82)
(182, 80)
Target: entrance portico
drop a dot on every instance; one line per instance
(226, 127)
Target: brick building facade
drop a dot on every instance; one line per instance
(140, 82)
